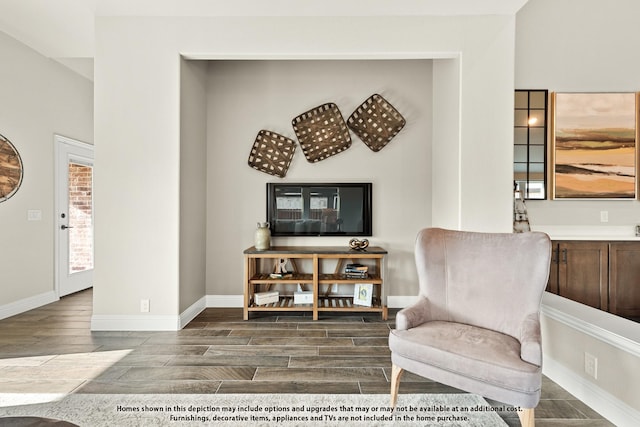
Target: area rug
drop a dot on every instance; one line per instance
(123, 410)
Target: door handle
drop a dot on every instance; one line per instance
(64, 227)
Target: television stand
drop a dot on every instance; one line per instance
(309, 273)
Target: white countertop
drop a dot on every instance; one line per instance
(581, 232)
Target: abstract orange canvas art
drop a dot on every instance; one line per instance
(594, 143)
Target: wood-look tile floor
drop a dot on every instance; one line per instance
(52, 350)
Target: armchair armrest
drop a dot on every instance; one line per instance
(531, 340)
(414, 315)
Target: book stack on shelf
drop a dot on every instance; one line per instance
(284, 275)
(356, 271)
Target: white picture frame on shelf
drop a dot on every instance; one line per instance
(362, 294)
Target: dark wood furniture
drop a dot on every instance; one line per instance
(601, 274)
(258, 266)
(624, 279)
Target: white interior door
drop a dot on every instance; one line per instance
(74, 215)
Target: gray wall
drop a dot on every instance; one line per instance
(193, 182)
(247, 96)
(38, 98)
(579, 46)
(584, 46)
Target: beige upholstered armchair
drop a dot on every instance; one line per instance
(476, 323)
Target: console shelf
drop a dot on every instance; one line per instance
(259, 266)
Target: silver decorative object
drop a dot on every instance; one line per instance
(359, 245)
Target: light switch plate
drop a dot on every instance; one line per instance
(34, 215)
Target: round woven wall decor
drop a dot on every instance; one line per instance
(10, 169)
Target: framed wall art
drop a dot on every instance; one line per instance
(594, 149)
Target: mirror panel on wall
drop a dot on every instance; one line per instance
(530, 143)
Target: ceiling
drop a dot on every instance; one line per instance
(63, 30)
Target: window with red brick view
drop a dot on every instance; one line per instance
(80, 217)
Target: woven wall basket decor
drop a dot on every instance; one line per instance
(376, 122)
(272, 153)
(10, 169)
(321, 132)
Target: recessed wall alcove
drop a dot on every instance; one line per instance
(156, 126)
(244, 96)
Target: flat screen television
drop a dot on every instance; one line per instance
(319, 209)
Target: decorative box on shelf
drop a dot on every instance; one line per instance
(269, 297)
(303, 297)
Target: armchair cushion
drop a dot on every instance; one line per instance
(484, 355)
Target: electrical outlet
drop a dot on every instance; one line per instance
(591, 365)
(144, 306)
(604, 216)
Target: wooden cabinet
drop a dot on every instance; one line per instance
(307, 271)
(602, 274)
(624, 279)
(583, 272)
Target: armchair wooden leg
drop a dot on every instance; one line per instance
(396, 373)
(526, 417)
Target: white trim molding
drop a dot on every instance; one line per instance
(192, 312)
(27, 304)
(228, 301)
(145, 322)
(579, 328)
(609, 406)
(135, 322)
(613, 330)
(71, 141)
(398, 301)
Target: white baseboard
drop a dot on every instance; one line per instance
(607, 405)
(27, 304)
(401, 301)
(145, 322)
(225, 301)
(190, 313)
(136, 322)
(237, 301)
